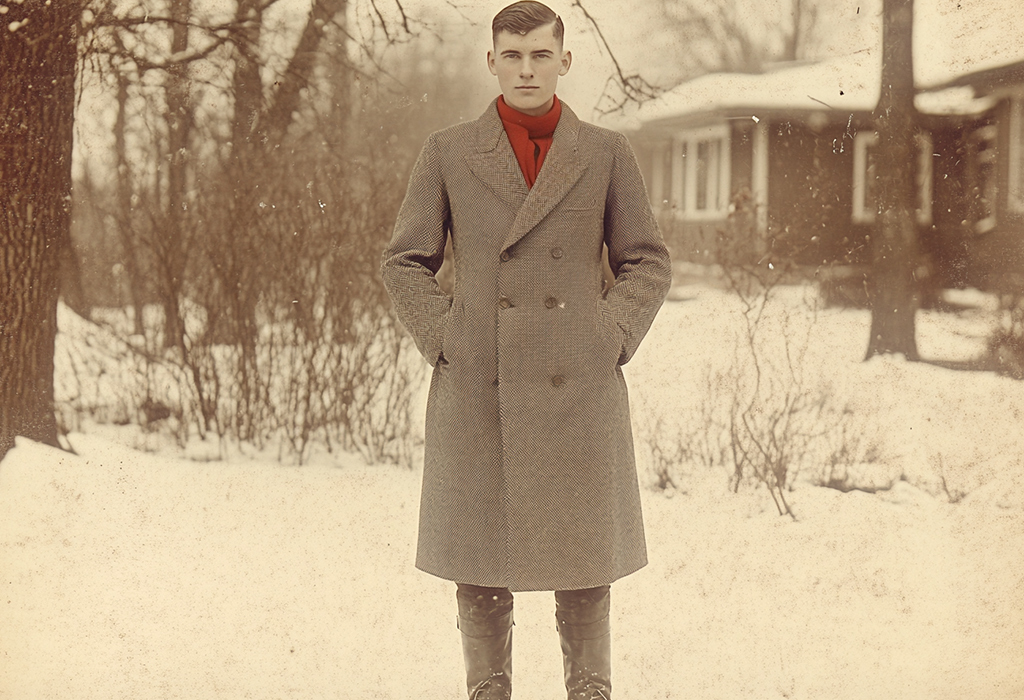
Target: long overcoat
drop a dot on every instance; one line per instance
(529, 480)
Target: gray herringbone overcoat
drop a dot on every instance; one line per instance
(529, 480)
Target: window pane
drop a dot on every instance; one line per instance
(666, 175)
(924, 178)
(981, 177)
(703, 163)
(1017, 151)
(871, 181)
(679, 176)
(714, 163)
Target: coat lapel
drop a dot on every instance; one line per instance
(494, 161)
(561, 171)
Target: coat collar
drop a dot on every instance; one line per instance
(494, 162)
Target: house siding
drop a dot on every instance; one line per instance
(810, 200)
(947, 242)
(810, 194)
(998, 256)
(963, 253)
(691, 239)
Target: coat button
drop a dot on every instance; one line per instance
(556, 252)
(504, 303)
(557, 380)
(505, 256)
(551, 302)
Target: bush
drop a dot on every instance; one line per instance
(761, 417)
(1006, 342)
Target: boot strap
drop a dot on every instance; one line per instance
(589, 630)
(485, 629)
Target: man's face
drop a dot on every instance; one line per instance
(528, 67)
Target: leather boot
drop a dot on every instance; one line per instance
(585, 633)
(485, 620)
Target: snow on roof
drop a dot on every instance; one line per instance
(956, 100)
(846, 83)
(952, 38)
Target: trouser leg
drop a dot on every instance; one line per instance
(584, 629)
(485, 620)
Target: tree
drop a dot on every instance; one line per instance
(894, 243)
(741, 35)
(39, 61)
(696, 37)
(38, 56)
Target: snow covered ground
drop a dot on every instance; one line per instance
(128, 574)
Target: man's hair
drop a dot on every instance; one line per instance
(524, 16)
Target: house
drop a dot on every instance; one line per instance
(783, 161)
(993, 150)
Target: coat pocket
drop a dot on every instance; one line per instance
(614, 336)
(448, 334)
(446, 323)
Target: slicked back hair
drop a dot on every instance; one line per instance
(524, 16)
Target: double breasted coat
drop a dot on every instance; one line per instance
(529, 480)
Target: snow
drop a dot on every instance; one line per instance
(171, 573)
(846, 83)
(843, 84)
(955, 100)
(952, 38)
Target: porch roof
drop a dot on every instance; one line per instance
(962, 52)
(842, 84)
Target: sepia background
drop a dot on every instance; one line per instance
(225, 503)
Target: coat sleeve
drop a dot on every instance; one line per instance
(411, 260)
(636, 252)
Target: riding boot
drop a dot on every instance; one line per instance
(585, 633)
(485, 620)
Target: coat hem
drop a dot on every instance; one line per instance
(529, 587)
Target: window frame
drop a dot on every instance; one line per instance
(864, 140)
(982, 172)
(679, 195)
(1015, 155)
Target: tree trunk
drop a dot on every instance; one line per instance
(894, 296)
(170, 241)
(238, 257)
(277, 117)
(136, 283)
(37, 62)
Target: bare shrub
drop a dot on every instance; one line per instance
(851, 451)
(669, 449)
(276, 330)
(1006, 342)
(762, 416)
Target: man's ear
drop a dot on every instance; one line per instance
(490, 63)
(566, 62)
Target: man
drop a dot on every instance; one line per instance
(529, 481)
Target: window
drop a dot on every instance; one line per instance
(691, 174)
(1016, 180)
(981, 177)
(865, 177)
(661, 184)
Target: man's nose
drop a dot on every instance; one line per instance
(526, 69)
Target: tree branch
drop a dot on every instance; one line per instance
(634, 87)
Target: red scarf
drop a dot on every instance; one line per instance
(530, 136)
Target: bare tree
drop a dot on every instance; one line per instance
(740, 35)
(124, 208)
(37, 62)
(894, 243)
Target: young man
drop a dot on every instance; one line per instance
(529, 481)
